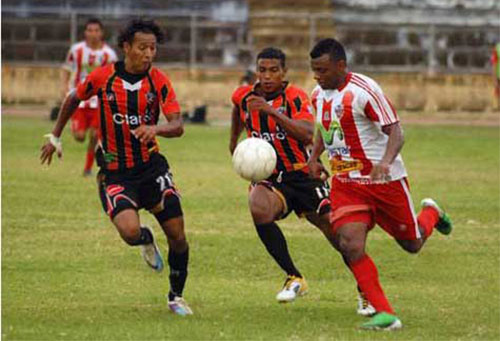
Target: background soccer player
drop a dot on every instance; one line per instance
(279, 113)
(359, 128)
(495, 63)
(83, 57)
(133, 173)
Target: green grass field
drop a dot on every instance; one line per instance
(66, 274)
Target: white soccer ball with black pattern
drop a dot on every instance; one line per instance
(254, 159)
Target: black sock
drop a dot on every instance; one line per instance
(178, 263)
(146, 237)
(275, 243)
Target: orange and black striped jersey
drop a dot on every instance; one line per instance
(291, 101)
(127, 101)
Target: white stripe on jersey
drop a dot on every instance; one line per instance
(410, 203)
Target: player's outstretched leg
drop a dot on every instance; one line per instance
(444, 224)
(178, 259)
(128, 225)
(150, 251)
(265, 207)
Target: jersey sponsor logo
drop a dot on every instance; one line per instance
(279, 135)
(341, 166)
(334, 130)
(131, 120)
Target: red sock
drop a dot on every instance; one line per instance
(427, 219)
(366, 275)
(89, 161)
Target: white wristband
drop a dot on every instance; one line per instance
(55, 141)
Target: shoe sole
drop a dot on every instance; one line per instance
(299, 294)
(158, 257)
(393, 326)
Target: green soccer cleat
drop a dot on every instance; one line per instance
(383, 321)
(444, 225)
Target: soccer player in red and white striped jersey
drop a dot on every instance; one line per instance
(360, 130)
(84, 57)
(134, 175)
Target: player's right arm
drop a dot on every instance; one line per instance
(236, 129)
(236, 124)
(83, 92)
(69, 106)
(316, 168)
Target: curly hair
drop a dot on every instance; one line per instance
(272, 53)
(140, 25)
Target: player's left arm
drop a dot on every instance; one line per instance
(300, 128)
(174, 127)
(394, 144)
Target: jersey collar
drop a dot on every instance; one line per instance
(346, 81)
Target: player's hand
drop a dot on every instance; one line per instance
(380, 172)
(317, 170)
(259, 103)
(145, 133)
(48, 149)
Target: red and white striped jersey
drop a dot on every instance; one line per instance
(82, 60)
(350, 120)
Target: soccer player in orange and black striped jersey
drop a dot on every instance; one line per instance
(280, 113)
(133, 174)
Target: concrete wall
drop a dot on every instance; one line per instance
(407, 91)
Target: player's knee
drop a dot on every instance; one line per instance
(130, 235)
(79, 136)
(352, 248)
(261, 209)
(411, 246)
(261, 214)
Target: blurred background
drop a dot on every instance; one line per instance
(429, 56)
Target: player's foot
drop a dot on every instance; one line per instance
(444, 225)
(151, 253)
(179, 306)
(364, 307)
(383, 321)
(87, 173)
(294, 286)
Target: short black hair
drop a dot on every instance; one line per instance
(140, 25)
(272, 53)
(329, 46)
(91, 21)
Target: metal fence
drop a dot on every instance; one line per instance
(197, 39)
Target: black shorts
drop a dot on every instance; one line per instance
(149, 186)
(299, 193)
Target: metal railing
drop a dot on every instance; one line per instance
(197, 39)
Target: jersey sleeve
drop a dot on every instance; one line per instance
(166, 94)
(238, 95)
(69, 62)
(112, 56)
(90, 86)
(301, 106)
(377, 107)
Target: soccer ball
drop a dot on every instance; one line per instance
(254, 159)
